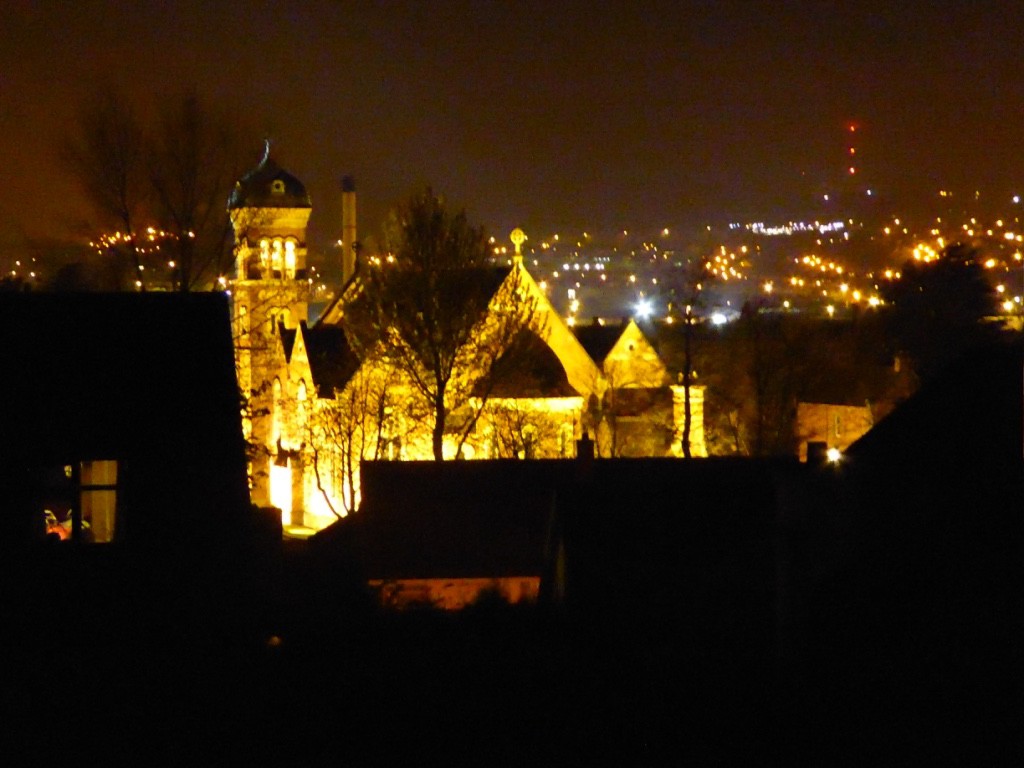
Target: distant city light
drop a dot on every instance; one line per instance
(791, 227)
(643, 309)
(718, 318)
(833, 455)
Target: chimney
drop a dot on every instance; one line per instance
(348, 229)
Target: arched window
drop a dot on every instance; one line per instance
(289, 259)
(264, 255)
(277, 257)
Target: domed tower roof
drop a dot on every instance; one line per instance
(269, 186)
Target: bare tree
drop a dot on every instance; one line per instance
(194, 160)
(106, 155)
(364, 421)
(436, 303)
(520, 432)
(175, 173)
(685, 303)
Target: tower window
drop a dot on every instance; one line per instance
(276, 258)
(289, 259)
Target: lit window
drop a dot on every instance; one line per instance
(289, 259)
(98, 495)
(264, 254)
(276, 257)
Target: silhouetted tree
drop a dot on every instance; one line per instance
(430, 302)
(174, 174)
(938, 308)
(684, 307)
(194, 159)
(106, 153)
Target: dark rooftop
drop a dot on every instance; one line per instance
(331, 358)
(269, 186)
(529, 369)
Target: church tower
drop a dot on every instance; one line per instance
(269, 211)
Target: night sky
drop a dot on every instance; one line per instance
(547, 115)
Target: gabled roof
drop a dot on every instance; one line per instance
(971, 415)
(332, 362)
(529, 368)
(634, 361)
(580, 371)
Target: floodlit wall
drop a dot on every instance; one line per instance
(838, 426)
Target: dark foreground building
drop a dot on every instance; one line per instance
(120, 415)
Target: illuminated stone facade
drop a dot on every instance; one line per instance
(837, 426)
(315, 409)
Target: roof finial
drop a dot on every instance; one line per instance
(518, 237)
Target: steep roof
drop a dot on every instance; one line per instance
(332, 361)
(529, 368)
(269, 186)
(971, 415)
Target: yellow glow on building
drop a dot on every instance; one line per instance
(281, 491)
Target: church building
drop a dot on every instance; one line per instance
(317, 405)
